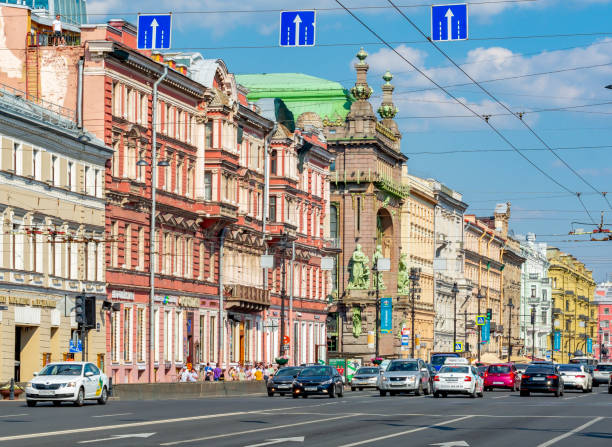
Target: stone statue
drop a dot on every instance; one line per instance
(403, 276)
(378, 277)
(356, 321)
(359, 271)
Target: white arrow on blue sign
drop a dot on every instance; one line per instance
(449, 22)
(297, 28)
(154, 31)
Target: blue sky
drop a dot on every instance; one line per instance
(510, 39)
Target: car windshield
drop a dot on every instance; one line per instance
(440, 359)
(65, 369)
(604, 367)
(573, 368)
(403, 366)
(455, 369)
(499, 369)
(288, 372)
(540, 370)
(367, 371)
(315, 371)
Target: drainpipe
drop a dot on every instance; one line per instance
(291, 292)
(80, 95)
(152, 249)
(221, 321)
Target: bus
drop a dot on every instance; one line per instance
(437, 359)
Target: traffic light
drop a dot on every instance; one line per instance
(90, 312)
(79, 310)
(489, 314)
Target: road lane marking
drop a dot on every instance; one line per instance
(499, 397)
(276, 427)
(414, 430)
(141, 424)
(111, 415)
(13, 415)
(570, 433)
(115, 437)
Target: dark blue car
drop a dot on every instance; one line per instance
(437, 360)
(321, 380)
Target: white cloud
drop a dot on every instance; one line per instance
(562, 89)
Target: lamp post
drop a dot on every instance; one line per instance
(479, 297)
(455, 291)
(533, 318)
(283, 247)
(600, 341)
(415, 275)
(510, 307)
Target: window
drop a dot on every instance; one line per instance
(208, 129)
(178, 336)
(156, 334)
(127, 263)
(272, 211)
(208, 186)
(54, 170)
(544, 295)
(567, 306)
(127, 334)
(189, 190)
(17, 159)
(178, 187)
(533, 291)
(168, 336)
(358, 214)
(544, 321)
(70, 184)
(36, 164)
(141, 248)
(114, 243)
(212, 337)
(97, 180)
(140, 336)
(606, 311)
(273, 162)
(115, 316)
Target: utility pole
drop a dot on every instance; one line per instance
(533, 318)
(479, 329)
(465, 328)
(552, 337)
(455, 291)
(377, 279)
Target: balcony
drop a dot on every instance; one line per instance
(583, 317)
(569, 292)
(557, 311)
(583, 298)
(240, 298)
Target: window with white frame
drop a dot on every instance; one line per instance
(127, 334)
(168, 335)
(141, 248)
(115, 336)
(156, 334)
(140, 335)
(36, 164)
(178, 336)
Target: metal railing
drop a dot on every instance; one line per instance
(44, 39)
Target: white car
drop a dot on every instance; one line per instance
(458, 377)
(68, 382)
(576, 376)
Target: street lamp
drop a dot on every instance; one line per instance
(283, 245)
(510, 307)
(479, 297)
(415, 276)
(455, 291)
(533, 318)
(381, 265)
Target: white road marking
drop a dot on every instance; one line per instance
(140, 424)
(13, 415)
(499, 397)
(570, 433)
(278, 441)
(276, 427)
(115, 437)
(111, 415)
(414, 430)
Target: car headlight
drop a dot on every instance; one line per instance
(70, 384)
(327, 382)
(411, 378)
(29, 385)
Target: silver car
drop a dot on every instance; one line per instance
(365, 377)
(406, 375)
(601, 373)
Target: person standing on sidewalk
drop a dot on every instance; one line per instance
(217, 372)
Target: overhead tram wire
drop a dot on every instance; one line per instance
(503, 105)
(486, 121)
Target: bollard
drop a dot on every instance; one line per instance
(110, 386)
(12, 390)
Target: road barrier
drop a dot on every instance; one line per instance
(190, 390)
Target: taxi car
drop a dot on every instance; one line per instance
(457, 376)
(67, 382)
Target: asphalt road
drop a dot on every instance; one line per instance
(359, 418)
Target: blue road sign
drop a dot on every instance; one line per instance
(405, 340)
(154, 31)
(386, 315)
(449, 22)
(297, 28)
(557, 341)
(459, 347)
(486, 332)
(75, 347)
(481, 320)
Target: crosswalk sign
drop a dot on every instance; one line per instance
(481, 320)
(459, 347)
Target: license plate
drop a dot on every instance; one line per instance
(284, 386)
(310, 388)
(46, 393)
(539, 379)
(498, 383)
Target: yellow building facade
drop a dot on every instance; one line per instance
(574, 313)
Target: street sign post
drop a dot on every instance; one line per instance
(297, 28)
(449, 22)
(481, 320)
(154, 31)
(459, 347)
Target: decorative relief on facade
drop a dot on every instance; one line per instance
(359, 271)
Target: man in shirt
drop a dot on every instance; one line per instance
(57, 31)
(217, 373)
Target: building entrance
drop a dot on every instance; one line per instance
(17, 371)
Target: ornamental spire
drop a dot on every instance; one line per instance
(361, 90)
(387, 109)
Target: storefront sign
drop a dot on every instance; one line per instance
(189, 301)
(166, 299)
(36, 302)
(122, 295)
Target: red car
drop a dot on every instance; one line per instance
(502, 375)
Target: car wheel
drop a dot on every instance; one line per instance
(436, 395)
(360, 389)
(585, 390)
(419, 390)
(474, 393)
(481, 394)
(525, 393)
(353, 388)
(609, 390)
(596, 384)
(304, 396)
(31, 403)
(332, 392)
(270, 394)
(103, 397)
(80, 398)
(383, 393)
(57, 403)
(341, 392)
(558, 392)
(427, 391)
(444, 395)
(392, 393)
(295, 396)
